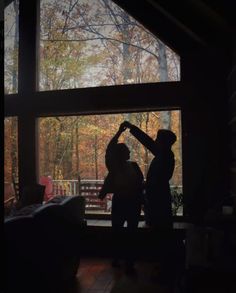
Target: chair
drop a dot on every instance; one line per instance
(73, 207)
(58, 244)
(9, 197)
(19, 239)
(42, 250)
(32, 194)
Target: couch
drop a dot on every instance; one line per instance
(43, 244)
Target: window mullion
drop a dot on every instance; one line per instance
(28, 11)
(27, 46)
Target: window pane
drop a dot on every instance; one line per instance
(73, 148)
(96, 43)
(11, 42)
(10, 155)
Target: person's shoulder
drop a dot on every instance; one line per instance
(134, 164)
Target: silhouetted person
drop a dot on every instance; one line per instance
(125, 181)
(159, 173)
(158, 195)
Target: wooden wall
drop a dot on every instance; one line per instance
(232, 122)
(205, 145)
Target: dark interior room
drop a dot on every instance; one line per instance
(74, 71)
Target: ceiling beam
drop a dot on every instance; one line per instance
(213, 16)
(197, 20)
(176, 22)
(163, 24)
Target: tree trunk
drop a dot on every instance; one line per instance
(163, 73)
(163, 70)
(127, 117)
(96, 155)
(165, 119)
(127, 74)
(14, 160)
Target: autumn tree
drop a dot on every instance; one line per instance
(10, 149)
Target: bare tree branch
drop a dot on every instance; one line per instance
(103, 38)
(68, 13)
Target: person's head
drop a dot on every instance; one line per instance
(122, 152)
(166, 138)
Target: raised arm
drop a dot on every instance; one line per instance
(109, 151)
(142, 137)
(115, 138)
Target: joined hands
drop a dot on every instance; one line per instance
(124, 125)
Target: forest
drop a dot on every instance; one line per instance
(75, 146)
(86, 44)
(72, 146)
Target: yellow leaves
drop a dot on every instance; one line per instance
(92, 129)
(74, 141)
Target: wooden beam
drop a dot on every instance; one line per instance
(28, 11)
(108, 99)
(172, 18)
(162, 24)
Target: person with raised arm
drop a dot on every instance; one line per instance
(125, 182)
(159, 173)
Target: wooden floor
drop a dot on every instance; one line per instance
(96, 275)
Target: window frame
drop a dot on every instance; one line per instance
(93, 215)
(29, 104)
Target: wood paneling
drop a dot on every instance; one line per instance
(232, 106)
(232, 122)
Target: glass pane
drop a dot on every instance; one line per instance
(10, 158)
(96, 43)
(72, 151)
(11, 42)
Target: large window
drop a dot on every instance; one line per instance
(82, 44)
(11, 41)
(96, 43)
(72, 150)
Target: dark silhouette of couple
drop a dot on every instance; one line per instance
(125, 180)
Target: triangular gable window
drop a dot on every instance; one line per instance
(96, 43)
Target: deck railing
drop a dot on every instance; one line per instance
(65, 187)
(87, 188)
(90, 189)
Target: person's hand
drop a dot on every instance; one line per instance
(101, 196)
(122, 128)
(127, 124)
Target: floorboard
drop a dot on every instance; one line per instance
(96, 275)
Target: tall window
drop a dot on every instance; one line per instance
(96, 43)
(72, 148)
(11, 41)
(10, 153)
